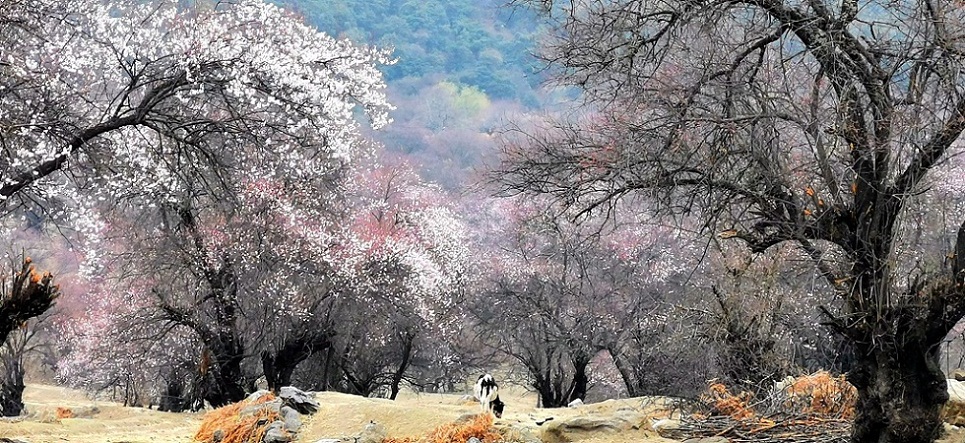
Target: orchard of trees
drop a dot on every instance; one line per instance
(204, 198)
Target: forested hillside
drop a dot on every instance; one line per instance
(481, 44)
(461, 67)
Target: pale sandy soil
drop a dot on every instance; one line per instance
(110, 423)
(340, 415)
(416, 414)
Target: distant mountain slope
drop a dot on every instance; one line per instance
(478, 43)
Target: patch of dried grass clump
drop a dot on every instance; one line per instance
(237, 429)
(822, 395)
(815, 408)
(723, 402)
(481, 427)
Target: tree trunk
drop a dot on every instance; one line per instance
(227, 386)
(11, 389)
(630, 381)
(581, 382)
(279, 367)
(901, 390)
(268, 367)
(406, 357)
(547, 399)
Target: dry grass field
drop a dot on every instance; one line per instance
(340, 415)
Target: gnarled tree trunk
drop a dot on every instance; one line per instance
(901, 390)
(280, 366)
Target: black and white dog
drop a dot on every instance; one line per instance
(487, 392)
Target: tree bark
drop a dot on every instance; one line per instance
(403, 365)
(11, 388)
(581, 382)
(227, 377)
(279, 367)
(900, 393)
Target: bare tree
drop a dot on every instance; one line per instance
(814, 122)
(24, 296)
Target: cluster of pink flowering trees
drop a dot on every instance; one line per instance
(209, 161)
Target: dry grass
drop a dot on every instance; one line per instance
(822, 395)
(815, 408)
(237, 429)
(481, 427)
(723, 402)
(63, 413)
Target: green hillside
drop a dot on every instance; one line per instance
(479, 43)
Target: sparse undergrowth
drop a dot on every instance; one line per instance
(481, 427)
(810, 408)
(818, 395)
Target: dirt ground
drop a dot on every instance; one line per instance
(340, 415)
(108, 423)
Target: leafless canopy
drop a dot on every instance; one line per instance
(815, 122)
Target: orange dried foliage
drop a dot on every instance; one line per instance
(481, 427)
(64, 413)
(237, 429)
(726, 403)
(823, 395)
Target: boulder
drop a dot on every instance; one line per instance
(575, 403)
(957, 374)
(276, 433)
(954, 410)
(517, 433)
(372, 433)
(299, 400)
(273, 406)
(257, 395)
(667, 428)
(292, 420)
(473, 440)
(584, 427)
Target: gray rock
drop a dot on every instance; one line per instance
(585, 427)
(217, 435)
(292, 420)
(575, 403)
(276, 433)
(329, 440)
(273, 406)
(255, 396)
(517, 432)
(372, 433)
(473, 440)
(301, 401)
(667, 428)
